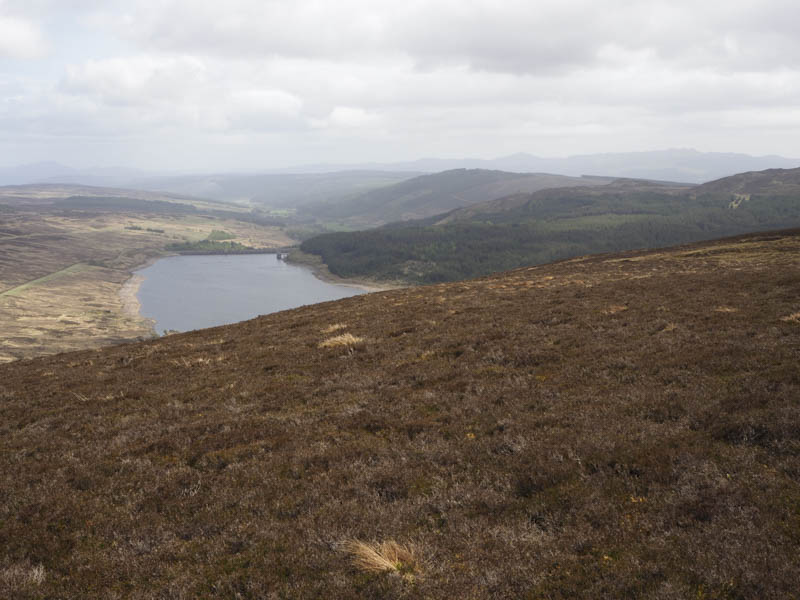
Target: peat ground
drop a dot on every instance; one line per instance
(612, 426)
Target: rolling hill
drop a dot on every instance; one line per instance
(677, 164)
(615, 426)
(559, 223)
(429, 195)
(277, 190)
(51, 193)
(762, 183)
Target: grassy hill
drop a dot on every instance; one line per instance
(94, 197)
(553, 224)
(768, 182)
(617, 426)
(430, 195)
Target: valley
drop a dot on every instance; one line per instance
(67, 250)
(64, 259)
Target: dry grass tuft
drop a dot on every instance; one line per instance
(726, 309)
(614, 309)
(384, 556)
(333, 327)
(792, 318)
(22, 575)
(346, 339)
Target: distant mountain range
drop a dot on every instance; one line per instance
(682, 165)
(53, 172)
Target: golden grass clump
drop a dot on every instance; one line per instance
(384, 556)
(333, 327)
(793, 318)
(726, 309)
(614, 309)
(345, 339)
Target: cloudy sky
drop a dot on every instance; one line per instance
(210, 84)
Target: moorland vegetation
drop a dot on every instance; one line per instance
(613, 426)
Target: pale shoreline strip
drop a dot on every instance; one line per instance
(131, 307)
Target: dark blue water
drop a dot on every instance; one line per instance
(193, 292)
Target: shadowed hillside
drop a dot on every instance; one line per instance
(430, 195)
(769, 182)
(559, 223)
(605, 427)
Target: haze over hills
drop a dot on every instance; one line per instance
(50, 193)
(428, 195)
(268, 190)
(616, 426)
(681, 165)
(278, 190)
(54, 172)
(559, 223)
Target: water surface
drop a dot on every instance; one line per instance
(182, 293)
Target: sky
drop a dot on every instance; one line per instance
(259, 84)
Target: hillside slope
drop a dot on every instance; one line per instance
(621, 196)
(66, 253)
(276, 190)
(46, 194)
(605, 427)
(553, 224)
(768, 182)
(430, 195)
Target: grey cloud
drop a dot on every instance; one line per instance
(20, 38)
(310, 81)
(513, 36)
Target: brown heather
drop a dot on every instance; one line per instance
(528, 436)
